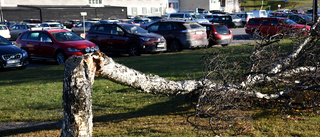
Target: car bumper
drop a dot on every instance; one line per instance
(154, 48)
(222, 42)
(14, 63)
(195, 43)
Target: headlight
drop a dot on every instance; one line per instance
(96, 48)
(145, 39)
(74, 50)
(24, 53)
(91, 49)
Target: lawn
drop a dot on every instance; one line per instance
(292, 4)
(36, 95)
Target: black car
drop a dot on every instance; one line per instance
(299, 18)
(225, 19)
(127, 38)
(12, 56)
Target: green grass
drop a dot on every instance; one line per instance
(290, 4)
(36, 95)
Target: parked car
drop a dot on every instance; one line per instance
(180, 34)
(296, 11)
(9, 23)
(16, 30)
(38, 21)
(245, 16)
(274, 25)
(71, 23)
(187, 16)
(282, 11)
(236, 21)
(4, 31)
(299, 18)
(52, 25)
(57, 44)
(259, 13)
(12, 56)
(142, 22)
(155, 18)
(78, 29)
(225, 19)
(218, 34)
(127, 38)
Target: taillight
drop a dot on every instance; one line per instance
(73, 25)
(246, 18)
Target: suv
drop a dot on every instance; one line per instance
(245, 16)
(272, 26)
(226, 19)
(57, 44)
(188, 16)
(128, 38)
(180, 34)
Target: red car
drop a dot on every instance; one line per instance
(274, 25)
(218, 34)
(57, 44)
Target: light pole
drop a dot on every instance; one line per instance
(83, 14)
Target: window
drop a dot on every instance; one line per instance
(154, 27)
(95, 1)
(265, 22)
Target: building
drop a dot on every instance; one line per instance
(14, 10)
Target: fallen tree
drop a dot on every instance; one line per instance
(225, 101)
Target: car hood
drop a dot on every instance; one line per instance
(9, 49)
(80, 44)
(151, 35)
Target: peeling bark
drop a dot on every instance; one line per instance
(77, 98)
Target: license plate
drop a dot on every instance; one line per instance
(199, 33)
(13, 61)
(160, 45)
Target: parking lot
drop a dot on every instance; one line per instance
(240, 37)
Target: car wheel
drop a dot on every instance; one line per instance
(224, 45)
(60, 58)
(134, 50)
(175, 46)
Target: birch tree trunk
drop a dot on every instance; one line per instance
(77, 98)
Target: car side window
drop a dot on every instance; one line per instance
(275, 22)
(45, 38)
(254, 22)
(25, 36)
(265, 22)
(34, 36)
(165, 26)
(154, 27)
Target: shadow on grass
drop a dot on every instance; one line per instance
(175, 106)
(15, 128)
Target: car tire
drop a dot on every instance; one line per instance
(224, 45)
(60, 58)
(175, 46)
(134, 50)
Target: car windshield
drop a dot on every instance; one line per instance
(4, 42)
(133, 29)
(307, 18)
(235, 17)
(197, 16)
(192, 25)
(288, 21)
(222, 29)
(66, 36)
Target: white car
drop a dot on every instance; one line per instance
(53, 25)
(4, 31)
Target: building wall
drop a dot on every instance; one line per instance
(134, 7)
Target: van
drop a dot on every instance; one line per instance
(259, 13)
(188, 16)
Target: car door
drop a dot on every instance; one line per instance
(118, 40)
(46, 47)
(266, 28)
(277, 26)
(163, 28)
(100, 35)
